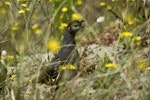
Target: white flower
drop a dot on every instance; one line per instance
(100, 19)
(3, 56)
(4, 53)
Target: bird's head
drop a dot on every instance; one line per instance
(75, 25)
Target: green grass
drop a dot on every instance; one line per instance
(26, 26)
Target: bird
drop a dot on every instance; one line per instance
(67, 54)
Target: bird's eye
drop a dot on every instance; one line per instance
(76, 25)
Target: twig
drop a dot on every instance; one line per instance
(12, 93)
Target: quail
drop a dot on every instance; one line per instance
(67, 54)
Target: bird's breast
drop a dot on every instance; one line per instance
(65, 52)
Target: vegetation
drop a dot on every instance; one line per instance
(30, 29)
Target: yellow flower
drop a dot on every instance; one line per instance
(138, 43)
(79, 2)
(61, 16)
(34, 16)
(142, 64)
(3, 10)
(75, 16)
(130, 19)
(13, 77)
(38, 31)
(113, 0)
(30, 81)
(64, 9)
(148, 68)
(126, 34)
(63, 25)
(68, 66)
(21, 11)
(72, 67)
(112, 65)
(7, 3)
(130, 79)
(18, 0)
(28, 92)
(136, 38)
(53, 45)
(63, 67)
(109, 7)
(23, 5)
(21, 48)
(35, 26)
(102, 3)
(10, 57)
(15, 27)
(51, 1)
(27, 9)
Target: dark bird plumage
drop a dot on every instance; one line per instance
(67, 54)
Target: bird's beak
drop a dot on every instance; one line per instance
(81, 21)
